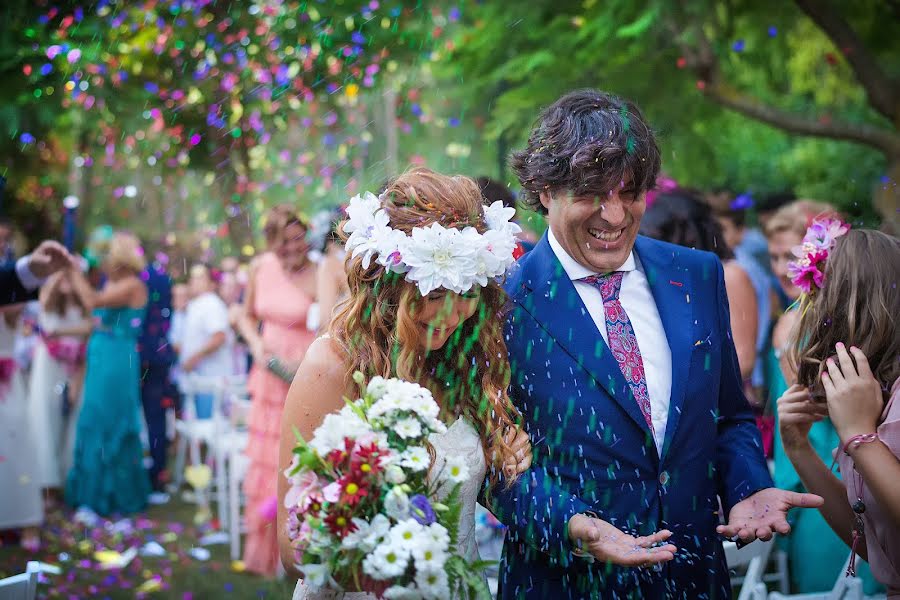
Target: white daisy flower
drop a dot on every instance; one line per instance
(429, 555)
(433, 584)
(415, 458)
(335, 427)
(385, 562)
(455, 470)
(408, 428)
(408, 534)
(438, 534)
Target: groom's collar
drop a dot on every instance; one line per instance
(576, 270)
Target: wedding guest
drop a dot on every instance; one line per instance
(680, 217)
(846, 352)
(19, 281)
(20, 501)
(57, 368)
(811, 539)
(281, 289)
(108, 473)
(157, 357)
(331, 275)
(207, 340)
(751, 252)
(231, 291)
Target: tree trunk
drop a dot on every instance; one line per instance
(887, 198)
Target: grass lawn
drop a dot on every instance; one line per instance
(175, 575)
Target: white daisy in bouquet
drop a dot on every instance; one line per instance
(363, 514)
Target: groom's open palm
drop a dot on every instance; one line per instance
(607, 543)
(765, 513)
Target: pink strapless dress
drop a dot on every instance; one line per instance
(282, 308)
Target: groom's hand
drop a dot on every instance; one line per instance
(765, 513)
(603, 541)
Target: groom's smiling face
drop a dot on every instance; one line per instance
(597, 231)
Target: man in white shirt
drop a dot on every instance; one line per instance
(206, 339)
(627, 380)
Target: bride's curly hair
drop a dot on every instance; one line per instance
(376, 324)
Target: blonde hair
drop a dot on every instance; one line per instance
(797, 216)
(125, 252)
(376, 324)
(277, 220)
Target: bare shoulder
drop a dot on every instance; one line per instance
(783, 328)
(736, 276)
(323, 366)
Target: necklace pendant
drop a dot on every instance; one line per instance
(859, 507)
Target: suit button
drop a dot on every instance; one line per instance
(664, 477)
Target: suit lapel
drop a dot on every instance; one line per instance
(549, 296)
(671, 287)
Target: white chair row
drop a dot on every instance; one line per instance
(223, 433)
(752, 561)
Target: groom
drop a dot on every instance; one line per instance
(626, 375)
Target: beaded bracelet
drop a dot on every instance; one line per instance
(855, 442)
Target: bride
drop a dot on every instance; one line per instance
(425, 309)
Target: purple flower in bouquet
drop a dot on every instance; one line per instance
(808, 271)
(420, 510)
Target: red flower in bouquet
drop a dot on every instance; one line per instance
(353, 489)
(366, 460)
(340, 521)
(340, 458)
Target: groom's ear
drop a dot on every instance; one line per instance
(546, 197)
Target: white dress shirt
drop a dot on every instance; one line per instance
(28, 279)
(638, 302)
(206, 316)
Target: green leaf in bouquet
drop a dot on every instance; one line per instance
(450, 518)
(357, 408)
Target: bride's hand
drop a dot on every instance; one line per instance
(607, 543)
(519, 443)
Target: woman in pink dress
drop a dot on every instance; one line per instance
(848, 369)
(279, 295)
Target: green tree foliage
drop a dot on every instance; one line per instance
(730, 86)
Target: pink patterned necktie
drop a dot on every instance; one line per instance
(622, 341)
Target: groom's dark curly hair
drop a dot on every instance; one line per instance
(587, 142)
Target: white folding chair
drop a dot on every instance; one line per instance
(22, 586)
(752, 559)
(238, 463)
(845, 588)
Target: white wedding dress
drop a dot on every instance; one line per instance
(460, 440)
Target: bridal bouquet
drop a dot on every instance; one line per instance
(363, 513)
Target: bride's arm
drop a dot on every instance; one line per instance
(317, 390)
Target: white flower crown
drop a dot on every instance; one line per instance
(433, 256)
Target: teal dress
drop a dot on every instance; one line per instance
(816, 554)
(108, 472)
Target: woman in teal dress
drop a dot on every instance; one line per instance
(108, 473)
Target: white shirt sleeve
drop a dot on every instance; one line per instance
(28, 279)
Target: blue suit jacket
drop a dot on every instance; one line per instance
(11, 289)
(593, 451)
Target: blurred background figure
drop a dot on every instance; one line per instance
(811, 541)
(21, 506)
(681, 217)
(108, 474)
(327, 251)
(157, 357)
(280, 292)
(57, 374)
(749, 246)
(206, 345)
